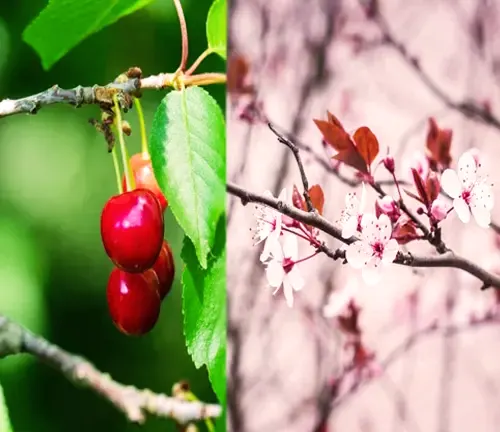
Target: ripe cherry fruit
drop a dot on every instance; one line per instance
(145, 178)
(165, 269)
(133, 301)
(132, 230)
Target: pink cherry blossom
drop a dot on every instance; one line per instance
(351, 215)
(376, 248)
(388, 206)
(470, 190)
(439, 209)
(269, 224)
(281, 269)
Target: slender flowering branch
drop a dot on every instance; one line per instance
(296, 153)
(133, 402)
(448, 259)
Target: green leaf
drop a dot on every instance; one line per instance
(204, 308)
(5, 425)
(187, 147)
(63, 24)
(217, 27)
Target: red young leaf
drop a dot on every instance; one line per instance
(367, 144)
(411, 194)
(405, 231)
(317, 198)
(332, 119)
(297, 199)
(335, 135)
(432, 186)
(439, 144)
(420, 185)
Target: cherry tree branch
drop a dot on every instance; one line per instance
(468, 108)
(133, 402)
(448, 259)
(103, 95)
(296, 154)
(411, 341)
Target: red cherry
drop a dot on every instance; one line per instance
(145, 178)
(132, 230)
(165, 269)
(133, 301)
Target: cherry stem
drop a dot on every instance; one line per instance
(397, 186)
(198, 61)
(129, 180)
(142, 125)
(208, 422)
(205, 79)
(306, 258)
(298, 234)
(117, 170)
(184, 34)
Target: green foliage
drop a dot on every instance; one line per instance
(217, 27)
(204, 307)
(63, 24)
(5, 425)
(187, 146)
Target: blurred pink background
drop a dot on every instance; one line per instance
(281, 360)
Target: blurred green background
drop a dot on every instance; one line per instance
(55, 176)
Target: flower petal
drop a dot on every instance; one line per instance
(482, 196)
(362, 203)
(384, 226)
(290, 246)
(272, 247)
(282, 196)
(295, 278)
(358, 254)
(467, 169)
(275, 273)
(390, 251)
(372, 272)
(462, 209)
(369, 225)
(350, 227)
(351, 203)
(450, 183)
(288, 291)
(482, 215)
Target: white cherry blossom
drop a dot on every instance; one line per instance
(350, 217)
(281, 268)
(470, 190)
(269, 223)
(375, 250)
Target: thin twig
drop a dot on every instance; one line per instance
(410, 341)
(467, 108)
(296, 153)
(133, 402)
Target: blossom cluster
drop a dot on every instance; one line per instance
(373, 238)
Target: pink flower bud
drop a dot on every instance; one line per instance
(439, 210)
(388, 162)
(388, 206)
